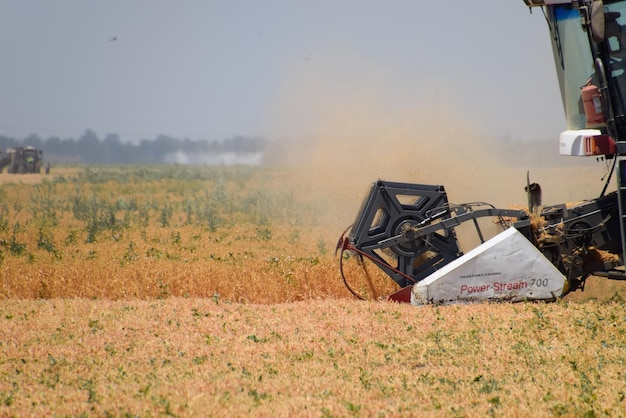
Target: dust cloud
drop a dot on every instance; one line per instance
(353, 136)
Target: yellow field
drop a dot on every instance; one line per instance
(248, 235)
(168, 290)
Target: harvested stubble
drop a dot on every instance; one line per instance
(203, 357)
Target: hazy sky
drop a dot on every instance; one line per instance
(213, 69)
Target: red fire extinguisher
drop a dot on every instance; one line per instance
(592, 104)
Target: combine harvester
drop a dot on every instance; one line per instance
(410, 230)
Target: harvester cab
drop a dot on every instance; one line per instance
(410, 230)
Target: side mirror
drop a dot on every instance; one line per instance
(597, 20)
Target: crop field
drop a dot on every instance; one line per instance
(242, 234)
(214, 291)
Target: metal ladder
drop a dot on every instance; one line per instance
(621, 200)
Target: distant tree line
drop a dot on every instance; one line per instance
(90, 149)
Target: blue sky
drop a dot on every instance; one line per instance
(215, 69)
